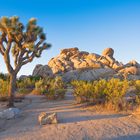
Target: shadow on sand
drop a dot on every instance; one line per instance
(127, 137)
(84, 117)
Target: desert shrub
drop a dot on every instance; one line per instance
(24, 90)
(89, 91)
(82, 90)
(40, 87)
(4, 76)
(26, 83)
(115, 91)
(3, 88)
(51, 88)
(136, 84)
(103, 91)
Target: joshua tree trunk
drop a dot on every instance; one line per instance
(12, 89)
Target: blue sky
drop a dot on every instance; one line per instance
(90, 25)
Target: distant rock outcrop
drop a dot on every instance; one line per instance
(43, 71)
(88, 75)
(73, 64)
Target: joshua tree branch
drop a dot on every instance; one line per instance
(16, 58)
(1, 51)
(7, 58)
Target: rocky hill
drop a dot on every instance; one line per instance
(73, 64)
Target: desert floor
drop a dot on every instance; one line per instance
(75, 122)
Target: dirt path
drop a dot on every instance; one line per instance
(75, 123)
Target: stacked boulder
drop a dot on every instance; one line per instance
(73, 64)
(72, 59)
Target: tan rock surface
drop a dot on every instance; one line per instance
(72, 59)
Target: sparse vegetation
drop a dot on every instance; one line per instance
(26, 85)
(4, 89)
(51, 88)
(110, 93)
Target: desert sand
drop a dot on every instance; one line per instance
(75, 122)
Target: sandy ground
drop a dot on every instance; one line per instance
(75, 123)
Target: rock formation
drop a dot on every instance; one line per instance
(43, 71)
(73, 64)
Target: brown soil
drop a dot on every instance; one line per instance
(75, 122)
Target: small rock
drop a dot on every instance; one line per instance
(1, 115)
(47, 118)
(10, 113)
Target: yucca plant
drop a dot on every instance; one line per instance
(23, 42)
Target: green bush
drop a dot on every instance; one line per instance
(106, 91)
(52, 88)
(136, 85)
(26, 83)
(3, 88)
(4, 76)
(89, 91)
(115, 90)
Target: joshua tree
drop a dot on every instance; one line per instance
(22, 44)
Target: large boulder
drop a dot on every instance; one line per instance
(88, 74)
(107, 59)
(43, 71)
(130, 70)
(69, 51)
(93, 56)
(108, 52)
(132, 63)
